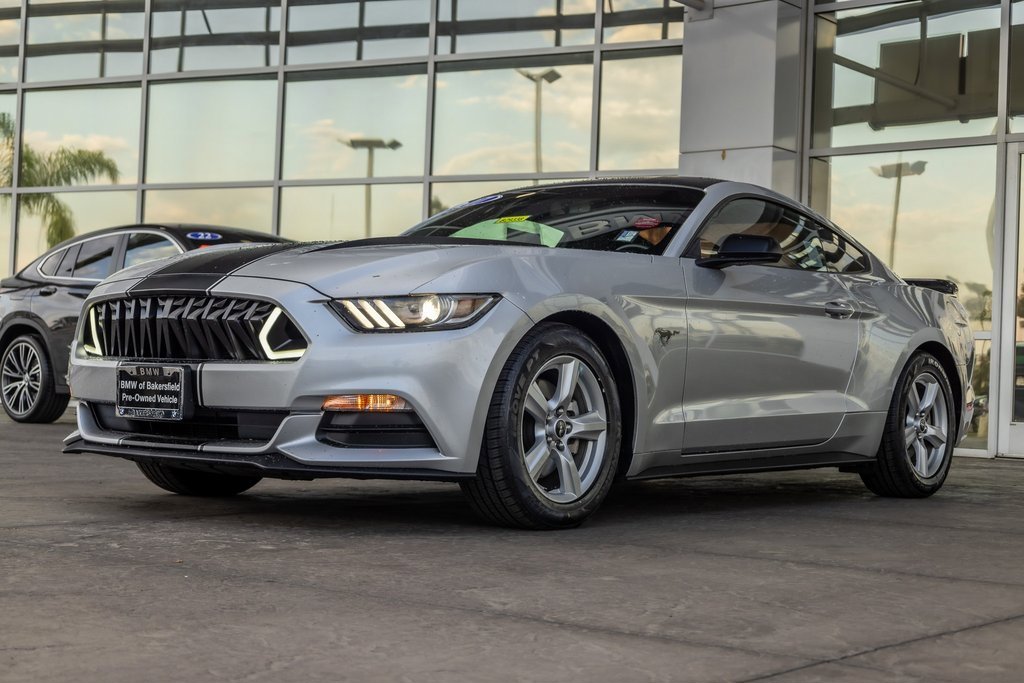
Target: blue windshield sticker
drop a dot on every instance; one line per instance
(626, 236)
(203, 236)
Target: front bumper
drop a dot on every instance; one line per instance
(448, 378)
(275, 465)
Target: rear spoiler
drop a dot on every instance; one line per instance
(944, 286)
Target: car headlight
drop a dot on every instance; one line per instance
(414, 313)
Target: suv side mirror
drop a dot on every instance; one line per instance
(739, 249)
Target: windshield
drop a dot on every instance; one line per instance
(614, 217)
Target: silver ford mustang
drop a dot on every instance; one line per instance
(534, 346)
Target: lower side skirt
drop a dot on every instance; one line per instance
(273, 465)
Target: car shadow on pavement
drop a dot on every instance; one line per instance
(350, 505)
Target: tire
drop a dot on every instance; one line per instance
(523, 424)
(195, 483)
(28, 386)
(917, 443)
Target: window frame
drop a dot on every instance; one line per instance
(694, 243)
(128, 234)
(867, 270)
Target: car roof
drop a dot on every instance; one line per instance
(692, 182)
(179, 230)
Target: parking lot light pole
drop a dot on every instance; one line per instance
(371, 145)
(897, 171)
(547, 76)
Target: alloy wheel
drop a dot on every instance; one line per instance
(926, 429)
(20, 378)
(564, 427)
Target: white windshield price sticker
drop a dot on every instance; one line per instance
(147, 392)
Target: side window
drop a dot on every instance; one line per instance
(96, 258)
(840, 255)
(49, 266)
(794, 232)
(147, 246)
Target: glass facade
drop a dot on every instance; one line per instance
(317, 119)
(916, 113)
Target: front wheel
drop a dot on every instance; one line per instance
(920, 430)
(28, 387)
(551, 443)
(195, 483)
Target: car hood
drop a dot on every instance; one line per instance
(360, 268)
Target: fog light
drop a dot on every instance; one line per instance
(366, 403)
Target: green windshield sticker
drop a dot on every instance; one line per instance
(504, 230)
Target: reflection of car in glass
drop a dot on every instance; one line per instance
(534, 346)
(39, 306)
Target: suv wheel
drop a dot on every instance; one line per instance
(28, 388)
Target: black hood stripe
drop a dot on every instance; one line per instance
(179, 283)
(222, 262)
(200, 273)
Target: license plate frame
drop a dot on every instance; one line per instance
(151, 392)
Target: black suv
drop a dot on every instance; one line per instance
(39, 307)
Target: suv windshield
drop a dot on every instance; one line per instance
(614, 217)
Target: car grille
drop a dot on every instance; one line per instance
(204, 425)
(196, 328)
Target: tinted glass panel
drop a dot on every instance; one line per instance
(10, 29)
(96, 258)
(636, 219)
(936, 221)
(640, 102)
(634, 20)
(214, 34)
(841, 256)
(333, 131)
(238, 207)
(977, 430)
(211, 131)
(46, 219)
(484, 120)
(907, 71)
(484, 25)
(341, 31)
(86, 136)
(8, 103)
(795, 234)
(147, 246)
(339, 213)
(1016, 92)
(5, 235)
(64, 42)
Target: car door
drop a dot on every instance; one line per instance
(59, 303)
(771, 348)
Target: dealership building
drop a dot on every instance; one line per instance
(335, 119)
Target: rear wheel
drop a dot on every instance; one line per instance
(195, 483)
(920, 429)
(551, 442)
(28, 387)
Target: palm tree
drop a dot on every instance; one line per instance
(63, 166)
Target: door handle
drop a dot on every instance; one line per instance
(47, 290)
(838, 309)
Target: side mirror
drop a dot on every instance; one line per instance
(738, 250)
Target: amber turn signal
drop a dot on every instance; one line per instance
(366, 403)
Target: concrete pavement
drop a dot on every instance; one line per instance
(791, 577)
